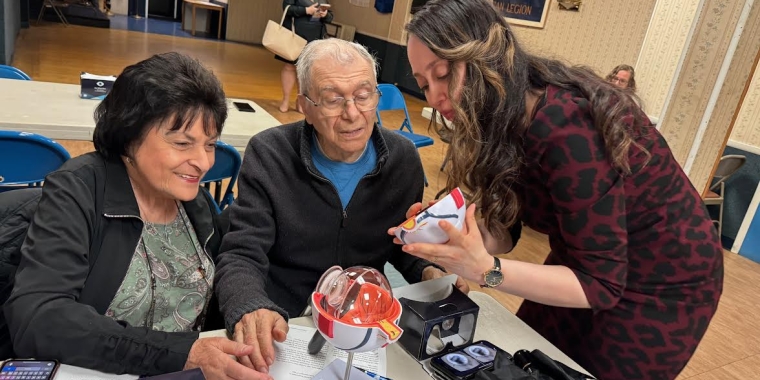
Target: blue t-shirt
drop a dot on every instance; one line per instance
(344, 176)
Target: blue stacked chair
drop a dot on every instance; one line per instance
(226, 165)
(10, 72)
(391, 99)
(26, 158)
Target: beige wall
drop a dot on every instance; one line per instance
(120, 7)
(697, 79)
(367, 20)
(708, 88)
(728, 101)
(747, 128)
(247, 19)
(602, 35)
(401, 16)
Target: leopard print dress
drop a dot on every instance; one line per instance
(642, 245)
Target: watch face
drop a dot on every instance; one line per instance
(494, 278)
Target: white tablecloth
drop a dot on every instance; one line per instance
(56, 111)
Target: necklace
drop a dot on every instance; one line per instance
(149, 318)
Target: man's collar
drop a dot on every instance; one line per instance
(306, 134)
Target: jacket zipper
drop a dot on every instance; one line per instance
(344, 211)
(344, 214)
(202, 319)
(323, 179)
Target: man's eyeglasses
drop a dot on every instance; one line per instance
(336, 105)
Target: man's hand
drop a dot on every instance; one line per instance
(258, 329)
(431, 273)
(214, 356)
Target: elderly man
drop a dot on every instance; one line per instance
(314, 194)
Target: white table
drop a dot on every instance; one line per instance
(496, 324)
(56, 111)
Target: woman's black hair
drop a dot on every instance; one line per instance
(169, 87)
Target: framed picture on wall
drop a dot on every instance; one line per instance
(524, 12)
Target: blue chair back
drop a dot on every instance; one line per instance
(391, 99)
(214, 202)
(10, 72)
(26, 158)
(226, 165)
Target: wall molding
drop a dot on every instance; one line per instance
(718, 87)
(663, 51)
(745, 147)
(747, 127)
(732, 94)
(695, 82)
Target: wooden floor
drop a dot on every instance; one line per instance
(731, 347)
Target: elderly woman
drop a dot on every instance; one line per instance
(117, 267)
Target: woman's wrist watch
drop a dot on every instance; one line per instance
(493, 277)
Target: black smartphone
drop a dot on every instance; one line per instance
(243, 107)
(28, 369)
(463, 364)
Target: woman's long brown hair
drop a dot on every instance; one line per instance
(491, 117)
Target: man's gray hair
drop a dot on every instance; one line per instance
(341, 51)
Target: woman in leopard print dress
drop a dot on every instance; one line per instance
(636, 268)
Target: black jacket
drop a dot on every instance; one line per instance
(61, 293)
(288, 224)
(16, 211)
(305, 28)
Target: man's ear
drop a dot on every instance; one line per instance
(301, 102)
